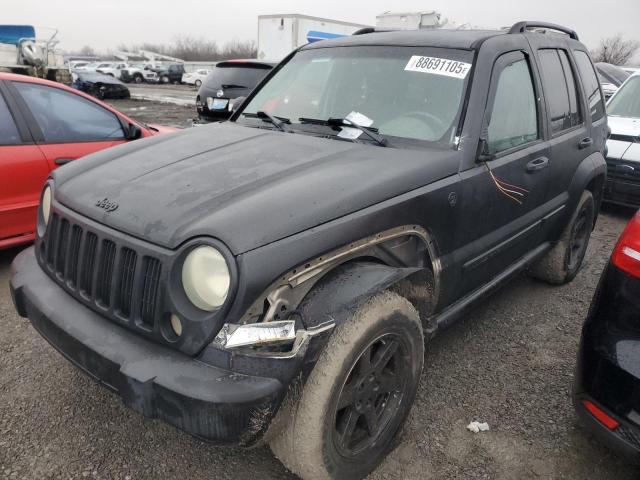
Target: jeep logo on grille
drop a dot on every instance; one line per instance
(107, 205)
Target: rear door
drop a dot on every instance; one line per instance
(569, 130)
(594, 99)
(23, 170)
(66, 126)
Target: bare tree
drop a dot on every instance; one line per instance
(237, 49)
(187, 48)
(615, 50)
(87, 51)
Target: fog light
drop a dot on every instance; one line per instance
(176, 325)
(255, 334)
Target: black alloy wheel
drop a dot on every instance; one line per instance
(371, 395)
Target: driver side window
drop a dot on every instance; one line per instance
(64, 117)
(514, 117)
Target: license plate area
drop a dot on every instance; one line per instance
(217, 103)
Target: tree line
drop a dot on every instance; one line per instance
(187, 48)
(616, 50)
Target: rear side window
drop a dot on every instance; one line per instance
(64, 117)
(236, 77)
(560, 90)
(514, 118)
(8, 131)
(591, 84)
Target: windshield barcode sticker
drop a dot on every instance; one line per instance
(438, 66)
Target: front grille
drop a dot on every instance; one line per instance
(150, 290)
(118, 280)
(105, 273)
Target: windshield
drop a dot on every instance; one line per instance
(626, 103)
(236, 76)
(403, 93)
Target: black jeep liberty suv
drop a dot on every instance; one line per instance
(274, 278)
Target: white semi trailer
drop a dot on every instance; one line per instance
(279, 35)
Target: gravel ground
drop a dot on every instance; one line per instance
(179, 116)
(510, 363)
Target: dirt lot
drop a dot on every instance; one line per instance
(180, 116)
(509, 363)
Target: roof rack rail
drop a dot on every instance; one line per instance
(521, 27)
(364, 31)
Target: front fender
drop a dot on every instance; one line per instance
(340, 292)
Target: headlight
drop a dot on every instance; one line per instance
(45, 205)
(206, 278)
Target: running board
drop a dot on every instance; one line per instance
(453, 313)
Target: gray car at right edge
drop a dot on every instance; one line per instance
(623, 146)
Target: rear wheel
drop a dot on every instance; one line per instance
(562, 263)
(198, 83)
(358, 395)
(164, 79)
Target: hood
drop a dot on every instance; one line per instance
(624, 143)
(245, 186)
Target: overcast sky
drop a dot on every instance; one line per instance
(105, 24)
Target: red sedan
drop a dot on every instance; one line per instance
(44, 125)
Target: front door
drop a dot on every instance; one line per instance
(23, 170)
(65, 125)
(511, 179)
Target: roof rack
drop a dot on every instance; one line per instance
(364, 31)
(522, 27)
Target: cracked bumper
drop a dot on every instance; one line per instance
(206, 401)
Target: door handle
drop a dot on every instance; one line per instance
(585, 143)
(537, 164)
(63, 161)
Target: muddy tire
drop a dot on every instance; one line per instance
(359, 394)
(562, 263)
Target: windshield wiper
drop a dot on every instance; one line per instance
(277, 122)
(372, 133)
(232, 85)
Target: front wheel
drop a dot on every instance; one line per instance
(562, 263)
(198, 83)
(164, 79)
(359, 394)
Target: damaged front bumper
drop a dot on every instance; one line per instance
(219, 396)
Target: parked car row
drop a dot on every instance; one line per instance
(195, 78)
(285, 268)
(132, 73)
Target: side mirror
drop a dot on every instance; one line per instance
(484, 154)
(133, 132)
(236, 103)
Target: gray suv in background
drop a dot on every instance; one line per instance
(227, 82)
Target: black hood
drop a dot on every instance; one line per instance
(245, 186)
